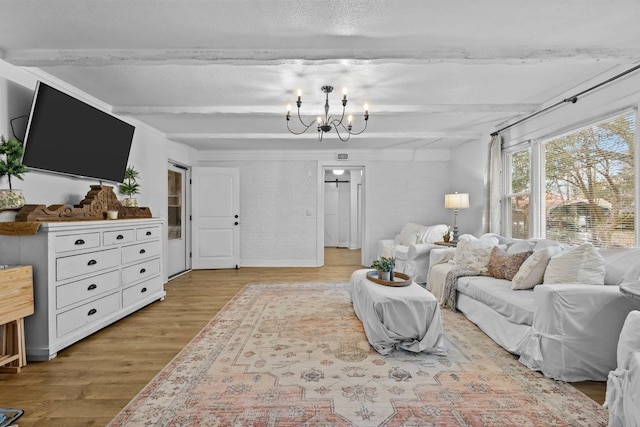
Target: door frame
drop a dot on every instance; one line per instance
(322, 167)
(186, 219)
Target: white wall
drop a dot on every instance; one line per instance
(281, 204)
(468, 165)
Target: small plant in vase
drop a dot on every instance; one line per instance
(447, 235)
(130, 187)
(11, 166)
(385, 267)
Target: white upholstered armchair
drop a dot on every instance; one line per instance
(623, 384)
(411, 249)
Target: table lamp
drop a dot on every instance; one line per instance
(456, 201)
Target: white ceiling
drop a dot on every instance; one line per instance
(218, 74)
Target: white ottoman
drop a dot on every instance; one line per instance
(406, 318)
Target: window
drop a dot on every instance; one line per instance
(589, 184)
(583, 189)
(519, 193)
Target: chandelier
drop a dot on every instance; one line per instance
(326, 123)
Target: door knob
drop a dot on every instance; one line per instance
(235, 223)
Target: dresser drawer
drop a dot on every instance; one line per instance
(140, 251)
(146, 233)
(118, 237)
(80, 317)
(78, 265)
(91, 287)
(73, 242)
(140, 271)
(138, 292)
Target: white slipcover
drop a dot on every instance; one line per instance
(623, 384)
(405, 318)
(574, 332)
(411, 248)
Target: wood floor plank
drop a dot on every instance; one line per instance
(91, 381)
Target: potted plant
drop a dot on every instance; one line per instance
(11, 166)
(130, 187)
(447, 235)
(385, 267)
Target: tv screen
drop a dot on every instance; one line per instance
(68, 136)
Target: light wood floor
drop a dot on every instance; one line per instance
(91, 381)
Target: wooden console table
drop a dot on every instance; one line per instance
(16, 303)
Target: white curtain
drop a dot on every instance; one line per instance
(492, 187)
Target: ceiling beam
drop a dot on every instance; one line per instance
(278, 110)
(313, 135)
(354, 56)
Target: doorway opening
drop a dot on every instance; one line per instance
(342, 213)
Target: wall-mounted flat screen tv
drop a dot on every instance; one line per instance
(65, 135)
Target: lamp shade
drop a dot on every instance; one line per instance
(456, 201)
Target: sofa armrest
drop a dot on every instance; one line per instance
(421, 250)
(575, 331)
(441, 255)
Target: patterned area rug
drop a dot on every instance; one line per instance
(296, 355)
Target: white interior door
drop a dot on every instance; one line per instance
(216, 220)
(331, 215)
(176, 224)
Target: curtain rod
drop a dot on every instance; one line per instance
(572, 99)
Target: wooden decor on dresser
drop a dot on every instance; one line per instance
(94, 206)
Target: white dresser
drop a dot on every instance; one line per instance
(86, 275)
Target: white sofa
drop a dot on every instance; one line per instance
(411, 248)
(623, 385)
(567, 331)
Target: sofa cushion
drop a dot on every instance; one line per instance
(581, 264)
(410, 234)
(518, 307)
(504, 266)
(473, 255)
(531, 272)
(434, 233)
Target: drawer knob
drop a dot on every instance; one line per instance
(92, 287)
(143, 290)
(148, 233)
(79, 242)
(120, 237)
(143, 270)
(92, 312)
(92, 262)
(142, 251)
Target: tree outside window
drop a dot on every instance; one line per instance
(589, 184)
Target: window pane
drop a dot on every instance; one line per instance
(520, 171)
(589, 185)
(520, 217)
(520, 180)
(174, 223)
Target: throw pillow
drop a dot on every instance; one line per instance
(473, 255)
(504, 266)
(581, 264)
(531, 272)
